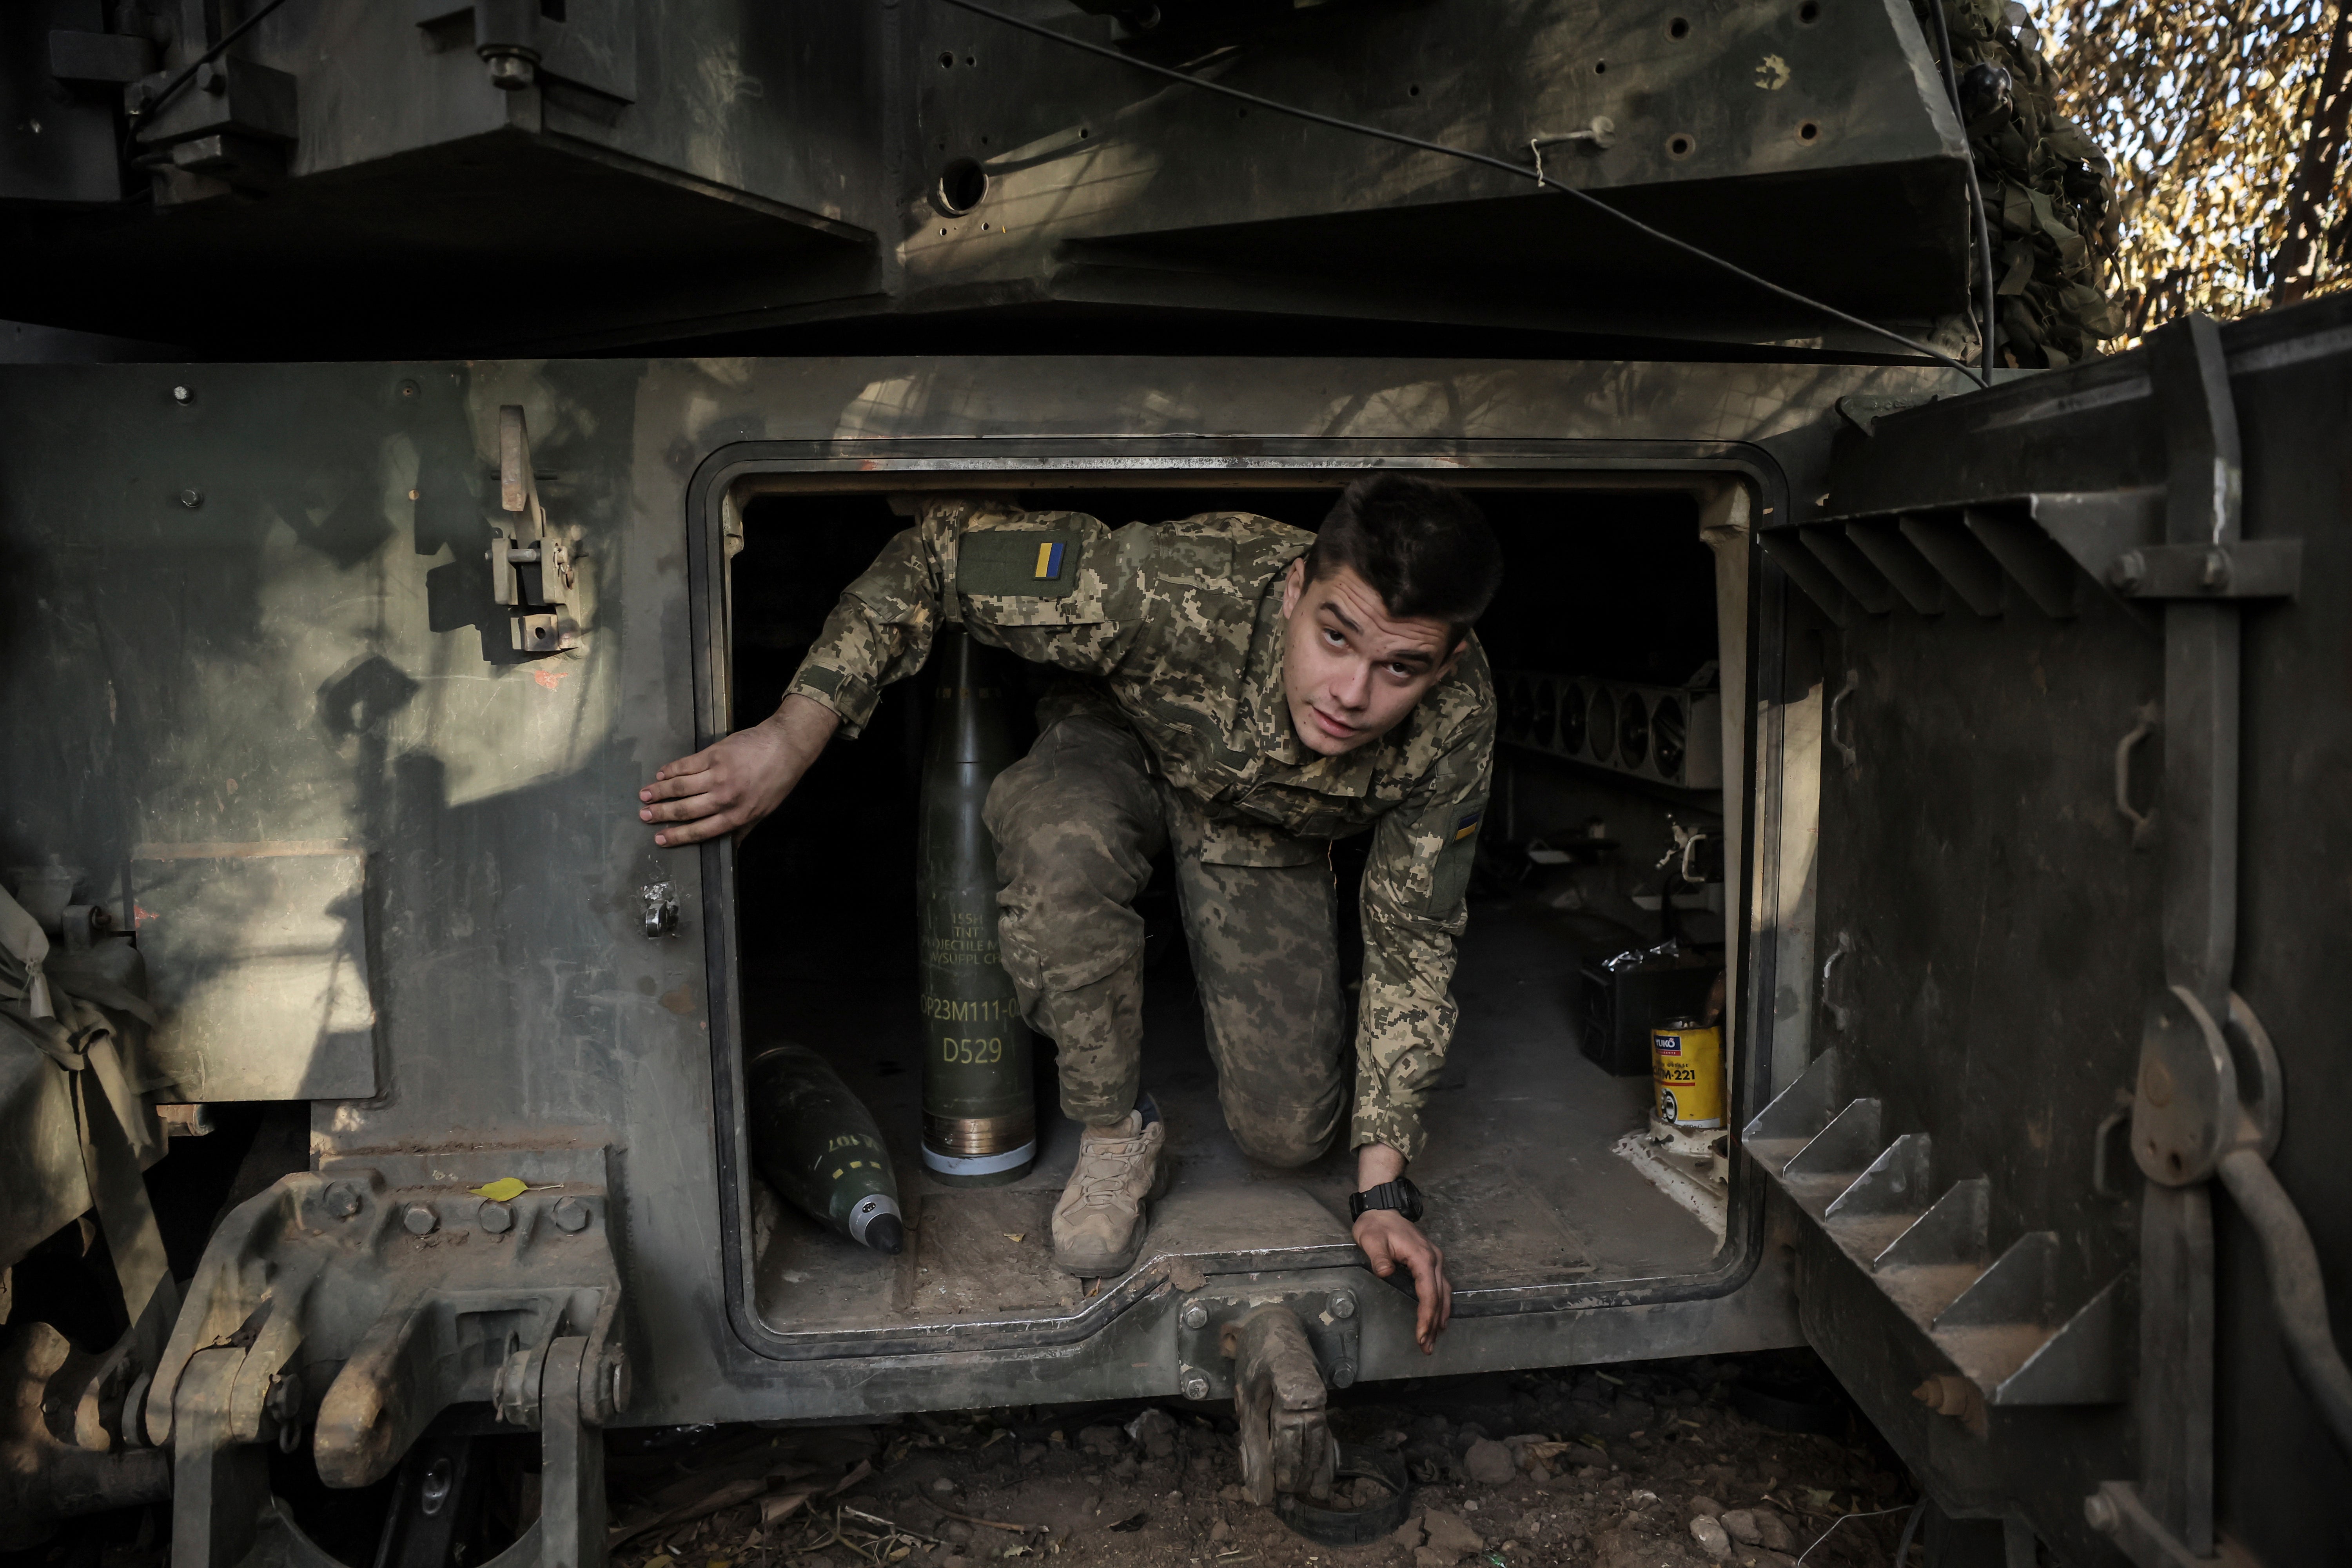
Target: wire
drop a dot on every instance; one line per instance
(155, 103)
(1988, 330)
(1874, 1513)
(1377, 133)
(1910, 1529)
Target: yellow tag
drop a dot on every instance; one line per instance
(505, 1190)
(1015, 1235)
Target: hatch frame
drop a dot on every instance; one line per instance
(733, 474)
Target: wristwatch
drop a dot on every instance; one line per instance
(1399, 1194)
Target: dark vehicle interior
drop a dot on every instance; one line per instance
(1544, 1165)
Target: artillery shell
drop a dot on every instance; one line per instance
(815, 1143)
(980, 1111)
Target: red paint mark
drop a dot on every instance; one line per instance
(549, 678)
(139, 917)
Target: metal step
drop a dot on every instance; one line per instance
(1884, 1202)
(1940, 1253)
(1796, 1113)
(1995, 1319)
(2005, 1335)
(1834, 1159)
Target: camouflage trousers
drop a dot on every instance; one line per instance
(1077, 823)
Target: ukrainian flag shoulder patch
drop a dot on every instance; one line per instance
(1467, 826)
(1031, 563)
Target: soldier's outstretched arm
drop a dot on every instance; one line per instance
(1037, 587)
(728, 787)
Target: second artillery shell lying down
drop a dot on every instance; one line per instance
(815, 1143)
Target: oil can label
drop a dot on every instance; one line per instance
(1687, 1066)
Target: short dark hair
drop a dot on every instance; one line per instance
(1423, 547)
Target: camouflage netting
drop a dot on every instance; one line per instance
(2047, 187)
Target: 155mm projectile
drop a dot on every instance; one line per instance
(980, 1112)
(815, 1141)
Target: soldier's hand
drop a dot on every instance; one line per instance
(1391, 1242)
(729, 786)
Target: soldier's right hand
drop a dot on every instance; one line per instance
(729, 786)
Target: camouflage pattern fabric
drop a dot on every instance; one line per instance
(1178, 626)
(2047, 188)
(1076, 823)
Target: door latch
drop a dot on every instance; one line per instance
(660, 900)
(532, 571)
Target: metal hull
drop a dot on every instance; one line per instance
(316, 629)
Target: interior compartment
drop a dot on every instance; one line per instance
(1538, 1171)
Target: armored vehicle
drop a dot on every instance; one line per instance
(428, 419)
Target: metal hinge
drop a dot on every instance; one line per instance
(532, 571)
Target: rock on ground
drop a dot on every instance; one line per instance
(1450, 1533)
(1154, 1431)
(1489, 1463)
(1710, 1536)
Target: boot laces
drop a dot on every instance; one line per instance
(1113, 1162)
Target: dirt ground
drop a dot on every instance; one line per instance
(1607, 1467)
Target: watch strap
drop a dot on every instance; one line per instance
(1399, 1194)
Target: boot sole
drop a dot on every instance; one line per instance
(1162, 1178)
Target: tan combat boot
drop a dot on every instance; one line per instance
(1099, 1225)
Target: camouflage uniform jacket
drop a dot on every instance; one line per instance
(1181, 625)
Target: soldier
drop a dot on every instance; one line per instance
(1249, 691)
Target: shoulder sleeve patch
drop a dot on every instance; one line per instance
(1023, 563)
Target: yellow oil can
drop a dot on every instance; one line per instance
(1687, 1065)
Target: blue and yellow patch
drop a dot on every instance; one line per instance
(1020, 563)
(1467, 826)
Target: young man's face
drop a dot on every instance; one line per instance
(1353, 671)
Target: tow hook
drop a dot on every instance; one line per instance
(1278, 1397)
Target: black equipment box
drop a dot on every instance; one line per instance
(1621, 1006)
